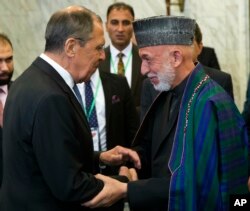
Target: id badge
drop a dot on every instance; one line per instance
(95, 137)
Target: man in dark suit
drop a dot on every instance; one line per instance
(6, 72)
(117, 118)
(48, 158)
(207, 55)
(208, 58)
(119, 27)
(222, 78)
(116, 113)
(182, 139)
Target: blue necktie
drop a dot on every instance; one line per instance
(78, 95)
(90, 106)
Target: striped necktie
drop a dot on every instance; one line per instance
(120, 66)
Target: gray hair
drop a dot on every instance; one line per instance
(64, 24)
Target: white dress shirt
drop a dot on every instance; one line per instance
(127, 61)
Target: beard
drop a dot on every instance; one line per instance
(7, 76)
(166, 78)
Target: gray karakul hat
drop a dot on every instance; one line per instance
(164, 30)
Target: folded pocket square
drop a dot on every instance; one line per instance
(115, 99)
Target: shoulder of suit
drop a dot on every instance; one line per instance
(210, 70)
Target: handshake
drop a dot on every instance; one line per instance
(113, 189)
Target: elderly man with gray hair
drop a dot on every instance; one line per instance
(193, 142)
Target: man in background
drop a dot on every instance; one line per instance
(208, 58)
(6, 72)
(111, 114)
(120, 30)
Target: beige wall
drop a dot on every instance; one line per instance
(225, 25)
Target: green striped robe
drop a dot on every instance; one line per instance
(209, 155)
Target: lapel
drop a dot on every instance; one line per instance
(149, 116)
(105, 65)
(166, 126)
(136, 68)
(49, 70)
(107, 95)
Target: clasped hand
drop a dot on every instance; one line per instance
(114, 190)
(120, 155)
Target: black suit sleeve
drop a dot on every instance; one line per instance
(60, 153)
(149, 194)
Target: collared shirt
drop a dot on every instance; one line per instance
(97, 88)
(127, 61)
(61, 71)
(3, 94)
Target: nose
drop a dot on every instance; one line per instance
(120, 27)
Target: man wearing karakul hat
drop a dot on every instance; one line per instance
(193, 142)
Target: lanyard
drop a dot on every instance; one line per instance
(88, 113)
(126, 66)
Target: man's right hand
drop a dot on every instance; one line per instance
(120, 155)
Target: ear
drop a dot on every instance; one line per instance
(176, 58)
(70, 47)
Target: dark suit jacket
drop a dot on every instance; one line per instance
(122, 120)
(1, 154)
(149, 93)
(153, 145)
(208, 58)
(137, 78)
(47, 145)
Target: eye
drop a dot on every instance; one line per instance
(126, 22)
(100, 48)
(114, 22)
(9, 60)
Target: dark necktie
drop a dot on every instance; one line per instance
(90, 106)
(78, 95)
(120, 66)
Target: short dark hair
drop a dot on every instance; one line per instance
(120, 5)
(197, 34)
(5, 39)
(63, 25)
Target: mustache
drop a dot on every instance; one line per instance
(5, 77)
(4, 74)
(151, 75)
